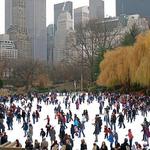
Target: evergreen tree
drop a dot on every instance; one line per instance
(130, 37)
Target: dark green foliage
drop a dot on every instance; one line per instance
(99, 58)
(130, 37)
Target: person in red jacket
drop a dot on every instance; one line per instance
(106, 131)
(130, 137)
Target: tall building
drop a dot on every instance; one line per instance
(64, 28)
(7, 48)
(130, 7)
(58, 8)
(50, 43)
(36, 25)
(15, 26)
(8, 53)
(81, 15)
(96, 9)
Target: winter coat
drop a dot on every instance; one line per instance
(4, 139)
(113, 118)
(28, 145)
(31, 130)
(25, 126)
(106, 130)
(95, 147)
(83, 146)
(55, 147)
(44, 145)
(23, 114)
(48, 127)
(124, 146)
(52, 135)
(81, 126)
(116, 136)
(147, 132)
(121, 118)
(63, 147)
(104, 148)
(42, 133)
(130, 135)
(68, 147)
(72, 130)
(76, 123)
(18, 116)
(62, 132)
(37, 114)
(97, 129)
(111, 138)
(37, 145)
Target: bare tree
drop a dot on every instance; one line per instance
(26, 72)
(5, 68)
(2, 66)
(65, 72)
(90, 40)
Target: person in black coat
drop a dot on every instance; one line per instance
(25, 128)
(113, 121)
(48, 127)
(104, 146)
(28, 144)
(4, 138)
(97, 128)
(121, 120)
(68, 145)
(133, 114)
(23, 115)
(83, 145)
(42, 133)
(100, 108)
(62, 133)
(125, 144)
(130, 115)
(72, 131)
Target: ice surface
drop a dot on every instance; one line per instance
(93, 109)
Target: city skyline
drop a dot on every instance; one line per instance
(50, 11)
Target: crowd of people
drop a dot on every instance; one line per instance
(115, 112)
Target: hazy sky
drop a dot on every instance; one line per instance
(109, 9)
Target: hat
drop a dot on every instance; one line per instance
(136, 143)
(126, 140)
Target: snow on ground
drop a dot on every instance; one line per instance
(93, 109)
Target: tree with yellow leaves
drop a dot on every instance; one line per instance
(126, 65)
(140, 60)
(115, 68)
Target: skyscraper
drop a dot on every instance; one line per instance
(65, 6)
(50, 43)
(15, 26)
(36, 25)
(81, 15)
(64, 28)
(7, 48)
(130, 7)
(96, 9)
